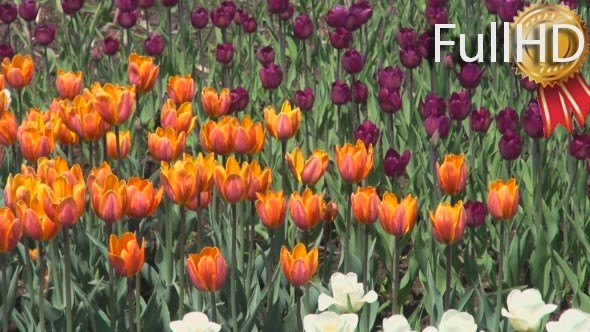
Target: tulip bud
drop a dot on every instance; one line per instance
(271, 208)
(390, 78)
(223, 15)
(389, 100)
(580, 146)
(452, 174)
(250, 25)
(6, 51)
(362, 10)
(507, 120)
(395, 164)
(510, 145)
(330, 212)
(433, 105)
(71, 7)
(448, 222)
(528, 84)
(277, 6)
(436, 15)
(305, 99)
(480, 121)
(449, 61)
(11, 230)
(340, 93)
(410, 57)
(532, 122)
(300, 265)
(154, 45)
(271, 76)
(207, 270)
(470, 75)
(124, 144)
(125, 254)
(224, 53)
(146, 4)
(199, 18)
(340, 38)
(360, 93)
(287, 14)
(306, 209)
(28, 10)
(440, 124)
(96, 53)
(239, 100)
(365, 205)
(503, 199)
(460, 105)
(240, 16)
(110, 45)
(336, 16)
(367, 132)
(508, 9)
(126, 5)
(302, 27)
(8, 12)
(476, 213)
(353, 61)
(426, 45)
(44, 34)
(169, 3)
(127, 19)
(492, 5)
(265, 55)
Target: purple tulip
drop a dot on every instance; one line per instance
(426, 45)
(127, 19)
(239, 100)
(470, 75)
(287, 14)
(302, 27)
(510, 145)
(436, 15)
(199, 18)
(390, 78)
(265, 55)
(6, 51)
(367, 132)
(476, 213)
(154, 45)
(127, 5)
(449, 61)
(580, 146)
(146, 4)
(169, 3)
(532, 122)
(440, 124)
(573, 4)
(44, 34)
(28, 10)
(528, 84)
(406, 38)
(460, 105)
(250, 25)
(362, 10)
(410, 57)
(271, 76)
(340, 38)
(395, 164)
(336, 16)
(360, 93)
(8, 12)
(277, 6)
(353, 61)
(224, 53)
(433, 105)
(71, 7)
(507, 120)
(492, 5)
(480, 121)
(507, 9)
(223, 15)
(389, 100)
(340, 93)
(305, 99)
(96, 53)
(110, 45)
(240, 16)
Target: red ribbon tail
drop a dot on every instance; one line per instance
(577, 95)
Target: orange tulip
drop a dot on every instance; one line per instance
(4, 101)
(233, 181)
(64, 201)
(61, 132)
(216, 136)
(448, 222)
(307, 209)
(1, 82)
(69, 84)
(19, 187)
(365, 205)
(80, 117)
(142, 72)
(108, 197)
(114, 103)
(8, 132)
(271, 208)
(398, 218)
(181, 118)
(300, 266)
(199, 200)
(142, 198)
(124, 144)
(49, 169)
(354, 162)
(37, 225)
(284, 125)
(307, 171)
(11, 230)
(166, 145)
(260, 180)
(248, 137)
(330, 212)
(99, 174)
(503, 199)
(35, 137)
(187, 177)
(215, 105)
(452, 174)
(207, 270)
(18, 72)
(181, 89)
(125, 255)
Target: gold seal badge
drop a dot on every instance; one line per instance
(548, 73)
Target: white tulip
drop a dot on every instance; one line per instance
(454, 321)
(194, 322)
(329, 321)
(571, 320)
(396, 323)
(526, 309)
(348, 294)
(430, 329)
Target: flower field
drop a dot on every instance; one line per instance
(282, 165)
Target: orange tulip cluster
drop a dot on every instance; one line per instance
(229, 135)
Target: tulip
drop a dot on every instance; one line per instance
(265, 55)
(330, 212)
(28, 10)
(125, 255)
(396, 323)
(6, 51)
(480, 121)
(452, 174)
(336, 16)
(353, 61)
(181, 89)
(108, 197)
(330, 321)
(8, 132)
(180, 119)
(124, 144)
(259, 180)
(532, 122)
(166, 144)
(214, 104)
(80, 117)
(224, 53)
(433, 105)
(20, 187)
(436, 15)
(11, 230)
(98, 175)
(199, 18)
(250, 25)
(142, 72)
(232, 181)
(348, 294)
(302, 27)
(360, 93)
(398, 218)
(354, 162)
(492, 6)
(406, 37)
(284, 125)
(49, 169)
(64, 201)
(460, 105)
(127, 5)
(239, 100)
(192, 319)
(61, 132)
(365, 205)
(573, 320)
(36, 139)
(453, 320)
(528, 84)
(390, 78)
(146, 4)
(300, 265)
(223, 15)
(507, 120)
(390, 101)
(188, 177)
(573, 4)
(410, 57)
(367, 132)
(69, 84)
(271, 208)
(29, 209)
(271, 76)
(508, 10)
(154, 45)
(307, 171)
(127, 19)
(449, 61)
(510, 145)
(476, 213)
(305, 99)
(307, 209)
(579, 146)
(448, 222)
(110, 45)
(169, 3)
(437, 124)
(8, 12)
(71, 7)
(217, 136)
(207, 270)
(526, 310)
(340, 38)
(18, 72)
(277, 6)
(426, 43)
(340, 93)
(470, 75)
(248, 137)
(395, 164)
(287, 14)
(44, 34)
(114, 103)
(503, 199)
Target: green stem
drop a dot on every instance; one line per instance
(47, 78)
(181, 242)
(269, 270)
(449, 276)
(29, 272)
(251, 248)
(395, 275)
(366, 262)
(169, 240)
(68, 279)
(5, 293)
(346, 249)
(55, 271)
(119, 174)
(41, 278)
(234, 244)
(298, 313)
(213, 307)
(138, 302)
(285, 178)
(500, 270)
(130, 303)
(112, 316)
(538, 176)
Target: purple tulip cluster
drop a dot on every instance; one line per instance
(367, 132)
(480, 120)
(434, 112)
(395, 164)
(127, 12)
(505, 9)
(350, 18)
(580, 146)
(28, 10)
(390, 80)
(409, 51)
(510, 143)
(436, 12)
(532, 122)
(271, 74)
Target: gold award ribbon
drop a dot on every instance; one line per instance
(561, 87)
